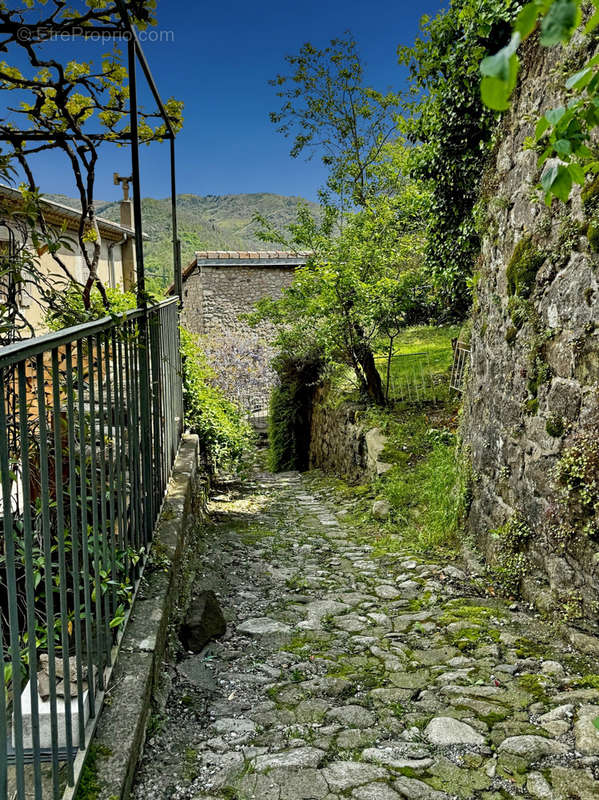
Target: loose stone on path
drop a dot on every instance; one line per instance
(345, 672)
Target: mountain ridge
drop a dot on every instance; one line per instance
(205, 222)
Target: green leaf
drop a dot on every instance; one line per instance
(500, 65)
(527, 19)
(555, 114)
(596, 722)
(592, 23)
(577, 173)
(495, 93)
(559, 22)
(542, 125)
(563, 147)
(548, 177)
(562, 184)
(580, 79)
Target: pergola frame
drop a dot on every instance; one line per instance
(135, 56)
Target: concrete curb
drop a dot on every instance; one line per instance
(120, 733)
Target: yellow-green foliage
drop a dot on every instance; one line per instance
(522, 270)
(71, 311)
(224, 434)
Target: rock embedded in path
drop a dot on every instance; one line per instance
(344, 775)
(352, 716)
(298, 758)
(532, 747)
(375, 791)
(413, 789)
(258, 627)
(537, 787)
(204, 621)
(386, 592)
(447, 730)
(381, 509)
(585, 732)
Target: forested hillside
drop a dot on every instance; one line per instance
(217, 222)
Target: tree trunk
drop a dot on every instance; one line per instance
(374, 385)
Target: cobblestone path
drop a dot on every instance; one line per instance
(345, 673)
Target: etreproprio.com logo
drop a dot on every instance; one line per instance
(34, 34)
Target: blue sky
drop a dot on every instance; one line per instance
(219, 64)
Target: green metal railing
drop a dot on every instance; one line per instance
(90, 421)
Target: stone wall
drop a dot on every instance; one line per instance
(215, 296)
(218, 289)
(341, 444)
(530, 410)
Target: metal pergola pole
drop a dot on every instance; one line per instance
(144, 339)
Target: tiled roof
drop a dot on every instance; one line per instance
(213, 255)
(234, 258)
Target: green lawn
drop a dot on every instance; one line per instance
(419, 377)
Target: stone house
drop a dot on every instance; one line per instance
(218, 288)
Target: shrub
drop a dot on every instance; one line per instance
(71, 310)
(224, 434)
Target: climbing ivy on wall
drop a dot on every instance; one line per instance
(452, 131)
(562, 136)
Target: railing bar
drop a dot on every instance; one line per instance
(97, 594)
(131, 436)
(103, 533)
(29, 580)
(11, 583)
(3, 723)
(62, 568)
(155, 406)
(120, 451)
(48, 578)
(85, 531)
(110, 421)
(75, 533)
(146, 430)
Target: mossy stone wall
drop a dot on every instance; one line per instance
(532, 393)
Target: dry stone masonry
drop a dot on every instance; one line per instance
(219, 286)
(531, 417)
(346, 672)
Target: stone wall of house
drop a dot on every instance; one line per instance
(214, 297)
(531, 422)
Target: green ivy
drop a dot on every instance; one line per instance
(453, 132)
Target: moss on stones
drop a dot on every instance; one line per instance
(590, 194)
(511, 334)
(593, 236)
(555, 426)
(522, 270)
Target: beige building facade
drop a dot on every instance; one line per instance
(116, 267)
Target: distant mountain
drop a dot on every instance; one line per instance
(213, 222)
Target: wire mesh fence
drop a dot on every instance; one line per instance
(409, 378)
(90, 421)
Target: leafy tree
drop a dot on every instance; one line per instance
(564, 135)
(451, 131)
(335, 304)
(329, 111)
(65, 102)
(368, 206)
